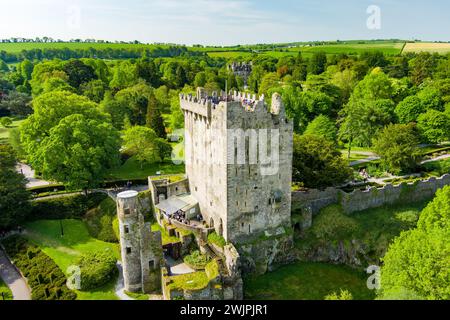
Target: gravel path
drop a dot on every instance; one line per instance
(13, 279)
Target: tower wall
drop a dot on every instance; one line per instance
(128, 213)
(236, 198)
(141, 248)
(205, 158)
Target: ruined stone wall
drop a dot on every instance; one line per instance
(358, 200)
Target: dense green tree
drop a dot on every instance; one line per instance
(95, 90)
(14, 204)
(434, 126)
(49, 110)
(431, 98)
(3, 66)
(375, 85)
(409, 109)
(154, 119)
(79, 73)
(362, 119)
(416, 265)
(16, 103)
(421, 67)
(397, 145)
(176, 120)
(144, 144)
(317, 63)
(322, 126)
(78, 152)
(26, 69)
(124, 75)
(317, 163)
(133, 102)
(147, 70)
(43, 71)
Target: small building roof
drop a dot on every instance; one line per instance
(176, 203)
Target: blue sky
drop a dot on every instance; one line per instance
(223, 22)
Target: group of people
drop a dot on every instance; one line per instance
(180, 216)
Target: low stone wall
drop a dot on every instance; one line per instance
(314, 200)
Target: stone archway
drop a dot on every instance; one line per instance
(211, 223)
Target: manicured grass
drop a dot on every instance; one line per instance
(64, 250)
(4, 132)
(5, 291)
(191, 281)
(131, 169)
(307, 281)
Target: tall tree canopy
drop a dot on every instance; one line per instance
(417, 264)
(317, 163)
(78, 151)
(14, 204)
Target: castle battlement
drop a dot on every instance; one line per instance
(204, 105)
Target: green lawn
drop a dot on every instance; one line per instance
(4, 290)
(4, 132)
(131, 169)
(307, 281)
(64, 250)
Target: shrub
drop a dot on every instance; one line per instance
(216, 239)
(196, 260)
(97, 269)
(46, 280)
(332, 223)
(70, 207)
(343, 295)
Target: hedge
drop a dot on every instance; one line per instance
(68, 207)
(97, 269)
(46, 280)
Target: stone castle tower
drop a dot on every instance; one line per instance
(141, 248)
(238, 155)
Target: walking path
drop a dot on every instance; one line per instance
(28, 172)
(13, 279)
(120, 290)
(443, 157)
(178, 267)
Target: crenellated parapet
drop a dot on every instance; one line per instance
(204, 105)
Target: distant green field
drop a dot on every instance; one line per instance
(389, 48)
(18, 47)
